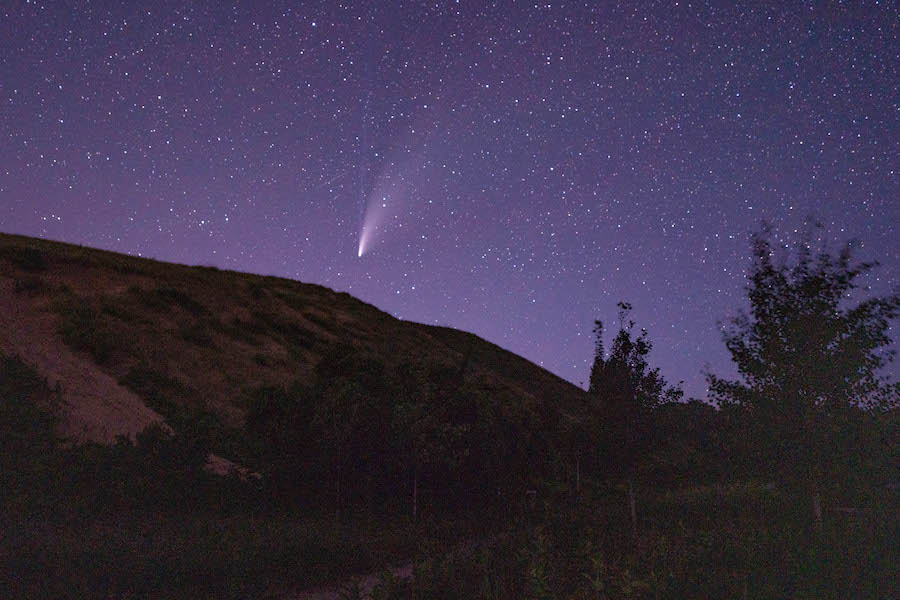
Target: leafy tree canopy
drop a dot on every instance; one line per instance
(802, 348)
(810, 359)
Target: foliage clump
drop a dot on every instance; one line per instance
(84, 328)
(31, 285)
(27, 258)
(27, 429)
(164, 298)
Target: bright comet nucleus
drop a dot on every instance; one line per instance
(379, 209)
(388, 198)
(364, 238)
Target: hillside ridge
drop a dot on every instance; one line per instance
(133, 341)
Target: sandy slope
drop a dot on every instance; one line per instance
(95, 407)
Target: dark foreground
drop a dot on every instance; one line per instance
(737, 541)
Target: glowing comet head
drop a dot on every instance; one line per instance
(363, 241)
(383, 207)
(377, 212)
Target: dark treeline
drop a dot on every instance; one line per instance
(627, 490)
(408, 437)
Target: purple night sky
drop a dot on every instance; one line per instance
(518, 168)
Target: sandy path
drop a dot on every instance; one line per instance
(366, 584)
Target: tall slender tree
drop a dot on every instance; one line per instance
(625, 390)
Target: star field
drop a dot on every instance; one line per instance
(535, 162)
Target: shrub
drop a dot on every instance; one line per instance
(293, 333)
(238, 330)
(257, 291)
(27, 431)
(158, 390)
(82, 328)
(115, 309)
(198, 334)
(130, 267)
(31, 285)
(27, 258)
(323, 322)
(167, 297)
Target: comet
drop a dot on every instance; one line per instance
(400, 179)
(363, 237)
(382, 205)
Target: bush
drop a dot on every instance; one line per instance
(82, 328)
(26, 258)
(257, 291)
(159, 391)
(198, 334)
(703, 542)
(27, 431)
(167, 297)
(31, 285)
(328, 324)
(293, 333)
(238, 330)
(116, 310)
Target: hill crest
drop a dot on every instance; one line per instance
(132, 341)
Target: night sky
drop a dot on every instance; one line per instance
(511, 169)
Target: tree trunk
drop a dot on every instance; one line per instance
(415, 497)
(336, 475)
(817, 508)
(816, 497)
(336, 466)
(337, 496)
(633, 508)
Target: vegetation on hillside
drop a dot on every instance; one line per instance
(436, 447)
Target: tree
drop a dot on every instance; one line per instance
(808, 360)
(413, 423)
(280, 437)
(429, 440)
(352, 418)
(688, 443)
(28, 437)
(625, 390)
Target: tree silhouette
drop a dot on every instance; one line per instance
(428, 438)
(352, 419)
(27, 429)
(808, 361)
(625, 390)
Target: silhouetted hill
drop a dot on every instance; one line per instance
(134, 341)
